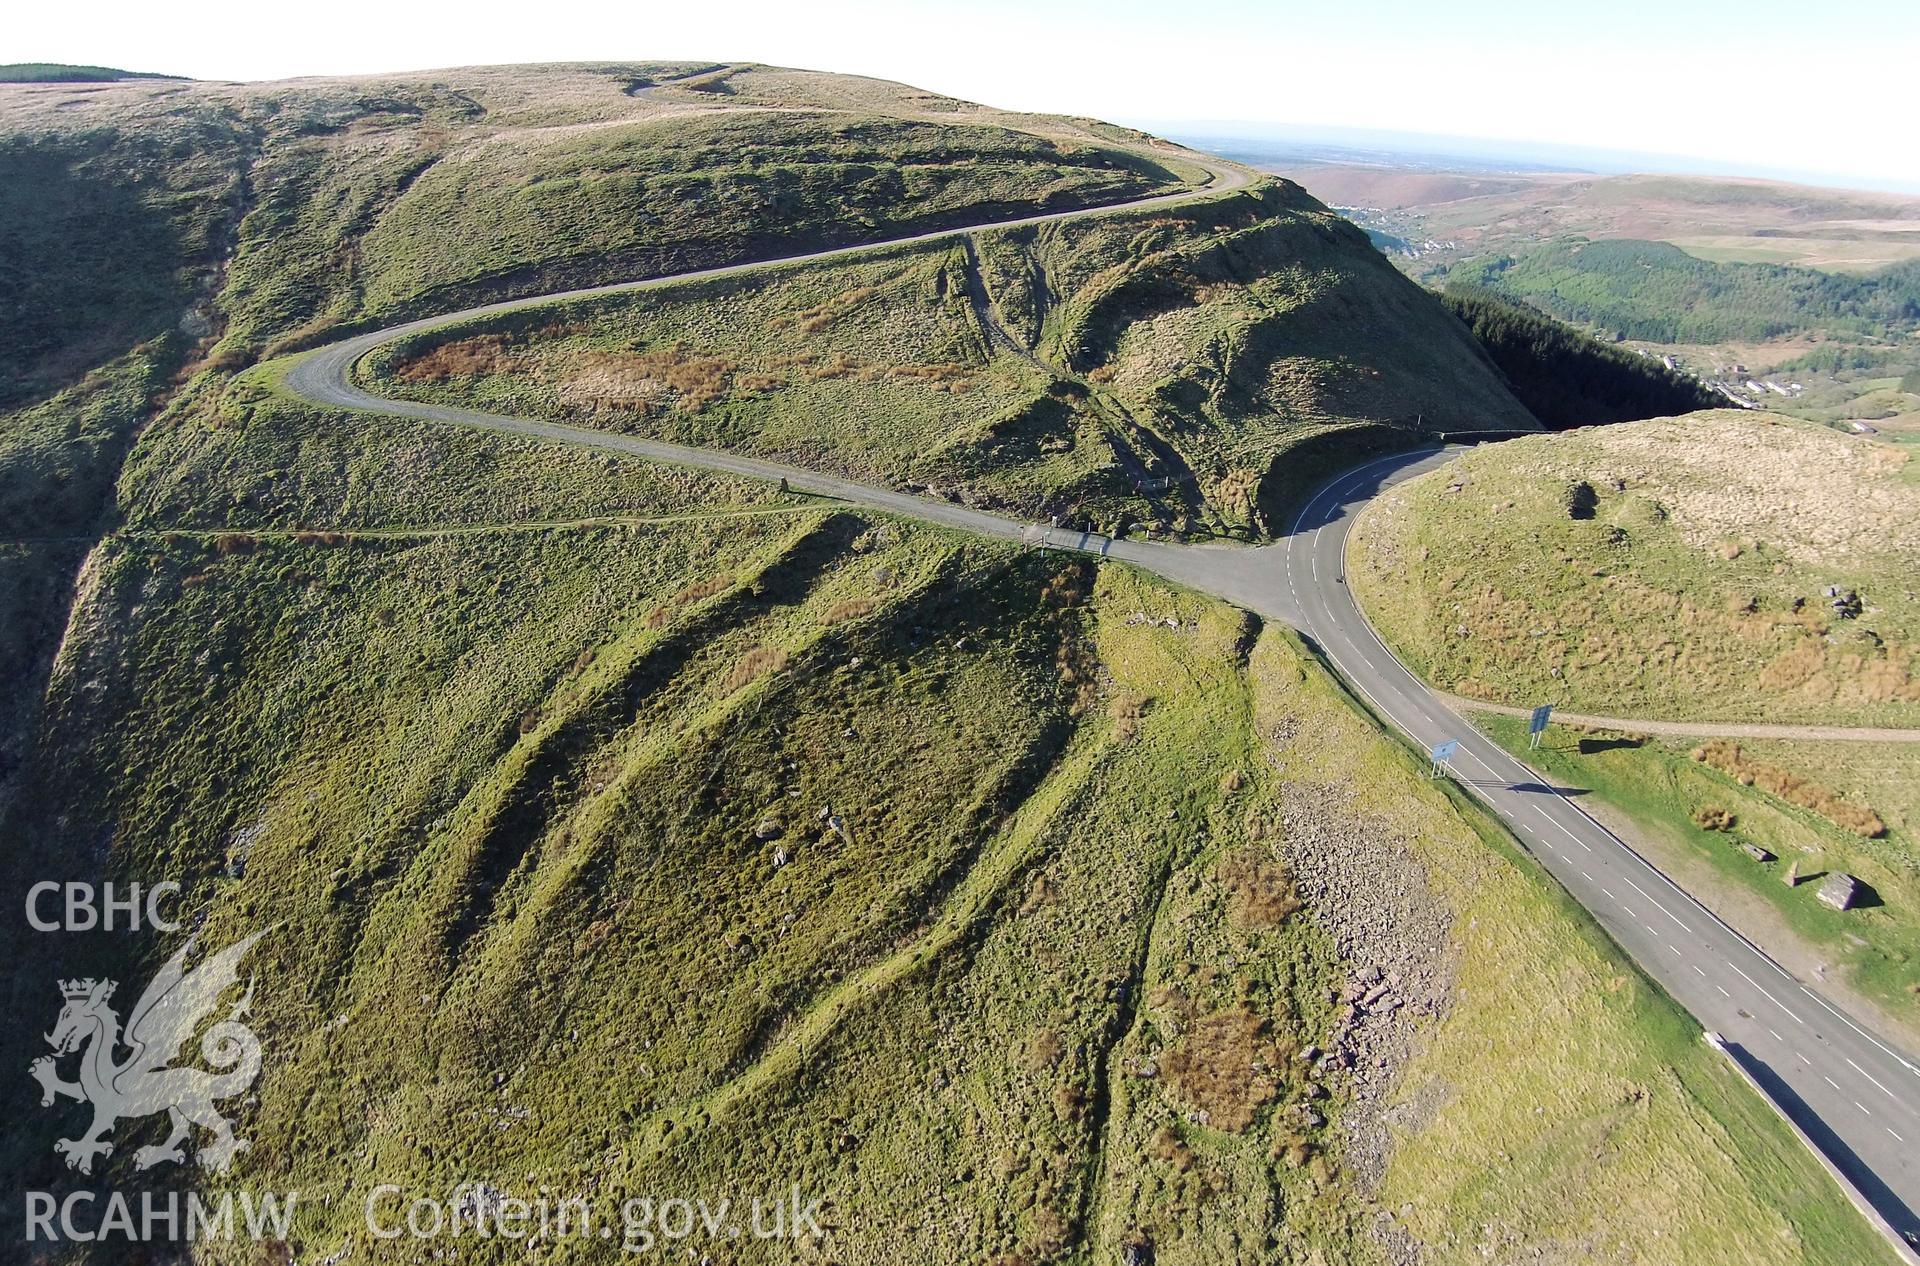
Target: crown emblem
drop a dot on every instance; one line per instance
(78, 989)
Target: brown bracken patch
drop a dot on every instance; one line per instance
(848, 609)
(1260, 892)
(1725, 755)
(662, 614)
(1228, 1066)
(474, 357)
(756, 663)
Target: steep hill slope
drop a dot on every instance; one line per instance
(328, 200)
(617, 831)
(1185, 371)
(162, 234)
(996, 902)
(1567, 378)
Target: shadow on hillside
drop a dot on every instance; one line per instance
(93, 267)
(1865, 896)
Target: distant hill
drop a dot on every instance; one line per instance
(1722, 219)
(57, 72)
(1657, 292)
(1785, 297)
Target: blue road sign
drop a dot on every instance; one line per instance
(1539, 721)
(1443, 752)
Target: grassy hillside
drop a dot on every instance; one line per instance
(161, 235)
(619, 830)
(1164, 370)
(1695, 804)
(535, 813)
(110, 240)
(314, 204)
(1674, 568)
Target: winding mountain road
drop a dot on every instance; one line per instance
(1855, 1096)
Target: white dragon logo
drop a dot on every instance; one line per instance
(174, 1005)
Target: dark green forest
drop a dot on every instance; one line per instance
(56, 72)
(1566, 378)
(1660, 294)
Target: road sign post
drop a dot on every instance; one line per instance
(1538, 725)
(1441, 754)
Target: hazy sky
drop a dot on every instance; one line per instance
(1773, 85)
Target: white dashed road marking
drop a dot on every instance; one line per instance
(1770, 998)
(1870, 1077)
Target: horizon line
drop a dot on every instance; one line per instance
(1516, 152)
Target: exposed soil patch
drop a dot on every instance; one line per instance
(689, 379)
(475, 357)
